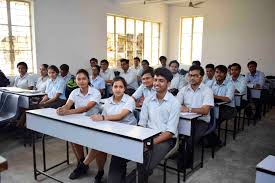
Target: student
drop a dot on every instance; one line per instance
(24, 80)
(146, 89)
(128, 74)
(4, 81)
(106, 73)
(64, 73)
(223, 92)
(97, 81)
(160, 111)
(210, 72)
(228, 76)
(145, 66)
(55, 89)
(86, 101)
(255, 77)
(42, 80)
(238, 80)
(178, 81)
(136, 67)
(196, 97)
(118, 108)
(196, 62)
(163, 60)
(93, 62)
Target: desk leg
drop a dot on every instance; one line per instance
(44, 153)
(193, 133)
(34, 155)
(67, 152)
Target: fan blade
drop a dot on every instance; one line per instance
(198, 3)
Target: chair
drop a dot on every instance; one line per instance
(211, 129)
(10, 111)
(171, 153)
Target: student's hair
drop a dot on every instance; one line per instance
(162, 58)
(119, 78)
(229, 66)
(83, 71)
(252, 63)
(221, 68)
(54, 68)
(104, 61)
(94, 59)
(45, 66)
(97, 67)
(64, 67)
(164, 72)
(124, 60)
(145, 61)
(236, 65)
(198, 68)
(23, 64)
(148, 71)
(210, 66)
(137, 58)
(174, 62)
(196, 62)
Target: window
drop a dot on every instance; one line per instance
(15, 35)
(191, 39)
(129, 38)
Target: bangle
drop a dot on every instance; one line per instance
(103, 118)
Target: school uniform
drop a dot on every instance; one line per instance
(178, 82)
(143, 91)
(41, 84)
(24, 82)
(130, 78)
(240, 84)
(108, 74)
(98, 83)
(257, 78)
(67, 78)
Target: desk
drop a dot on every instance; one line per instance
(24, 95)
(120, 135)
(265, 170)
(3, 165)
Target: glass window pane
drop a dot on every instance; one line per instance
(155, 29)
(4, 37)
(21, 38)
(148, 41)
(110, 24)
(186, 26)
(130, 26)
(139, 27)
(5, 62)
(155, 51)
(20, 13)
(198, 24)
(186, 49)
(120, 25)
(3, 12)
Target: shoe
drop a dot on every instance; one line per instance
(99, 176)
(80, 170)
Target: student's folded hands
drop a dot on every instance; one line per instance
(61, 111)
(97, 117)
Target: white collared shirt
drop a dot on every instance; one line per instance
(24, 82)
(67, 78)
(203, 95)
(56, 86)
(98, 82)
(41, 84)
(161, 115)
(240, 84)
(258, 78)
(130, 78)
(108, 74)
(226, 89)
(136, 70)
(178, 81)
(143, 91)
(112, 108)
(81, 100)
(206, 79)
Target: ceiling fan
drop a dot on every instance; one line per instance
(182, 3)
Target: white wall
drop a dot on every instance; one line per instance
(73, 31)
(234, 31)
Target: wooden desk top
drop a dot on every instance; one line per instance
(3, 164)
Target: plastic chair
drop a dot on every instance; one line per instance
(10, 111)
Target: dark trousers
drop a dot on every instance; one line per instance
(118, 166)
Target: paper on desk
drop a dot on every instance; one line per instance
(187, 113)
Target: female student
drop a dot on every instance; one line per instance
(42, 80)
(86, 100)
(118, 108)
(24, 80)
(55, 89)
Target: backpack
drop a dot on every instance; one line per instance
(70, 86)
(4, 81)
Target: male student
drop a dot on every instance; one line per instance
(163, 62)
(161, 112)
(178, 80)
(97, 81)
(146, 89)
(106, 73)
(210, 72)
(64, 72)
(196, 97)
(128, 74)
(238, 80)
(93, 62)
(136, 67)
(255, 77)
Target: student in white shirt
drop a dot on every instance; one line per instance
(64, 73)
(118, 108)
(145, 66)
(160, 111)
(178, 81)
(238, 80)
(146, 89)
(24, 80)
(255, 77)
(129, 75)
(106, 73)
(196, 97)
(210, 72)
(163, 62)
(93, 62)
(42, 80)
(136, 67)
(97, 81)
(55, 89)
(86, 101)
